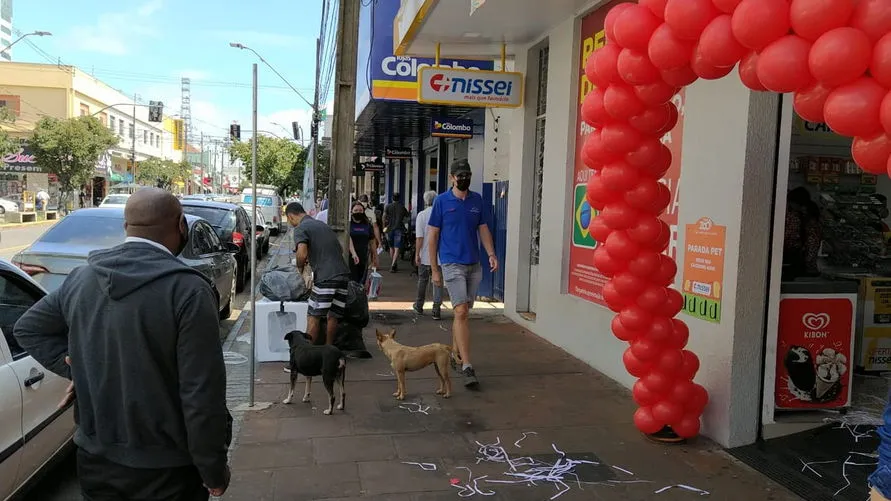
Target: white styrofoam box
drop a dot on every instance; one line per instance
(273, 324)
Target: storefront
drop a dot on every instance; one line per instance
(19, 173)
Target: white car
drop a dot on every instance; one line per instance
(8, 206)
(34, 432)
(119, 200)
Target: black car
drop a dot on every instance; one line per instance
(232, 225)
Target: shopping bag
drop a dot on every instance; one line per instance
(373, 284)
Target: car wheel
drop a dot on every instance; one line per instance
(2, 210)
(266, 246)
(227, 311)
(239, 277)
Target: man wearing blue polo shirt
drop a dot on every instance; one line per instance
(458, 222)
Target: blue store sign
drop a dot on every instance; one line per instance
(451, 127)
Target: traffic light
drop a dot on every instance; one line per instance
(156, 111)
(235, 132)
(314, 130)
(295, 128)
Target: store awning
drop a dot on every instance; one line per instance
(397, 123)
(421, 24)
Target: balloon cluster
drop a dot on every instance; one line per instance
(835, 55)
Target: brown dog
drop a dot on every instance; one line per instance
(412, 358)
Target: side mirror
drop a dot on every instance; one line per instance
(260, 228)
(230, 247)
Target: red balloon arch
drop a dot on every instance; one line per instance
(835, 55)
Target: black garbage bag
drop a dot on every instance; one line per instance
(357, 307)
(348, 339)
(283, 283)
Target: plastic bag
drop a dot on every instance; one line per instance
(356, 311)
(283, 284)
(373, 284)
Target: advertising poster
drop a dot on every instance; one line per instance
(875, 352)
(814, 345)
(584, 280)
(703, 269)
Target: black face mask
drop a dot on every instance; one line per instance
(183, 236)
(463, 184)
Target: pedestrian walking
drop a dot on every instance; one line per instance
(395, 217)
(137, 333)
(364, 242)
(457, 225)
(422, 260)
(316, 243)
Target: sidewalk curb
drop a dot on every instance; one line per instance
(6, 226)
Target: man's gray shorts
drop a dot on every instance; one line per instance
(462, 282)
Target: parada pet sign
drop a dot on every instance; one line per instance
(835, 55)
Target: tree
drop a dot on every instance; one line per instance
(70, 148)
(294, 181)
(276, 159)
(159, 172)
(7, 144)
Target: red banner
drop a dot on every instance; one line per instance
(584, 279)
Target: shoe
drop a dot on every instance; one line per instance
(470, 380)
(418, 309)
(437, 315)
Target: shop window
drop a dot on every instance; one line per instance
(541, 109)
(84, 110)
(145, 137)
(12, 103)
(121, 128)
(111, 124)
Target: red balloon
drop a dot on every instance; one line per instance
(666, 272)
(644, 264)
(670, 361)
(757, 23)
(593, 111)
(596, 151)
(657, 169)
(885, 114)
(688, 426)
(667, 51)
(636, 69)
(646, 153)
(658, 382)
(667, 411)
(661, 242)
(854, 109)
(609, 22)
(591, 72)
(620, 102)
(726, 6)
(840, 56)
(597, 193)
(645, 422)
(689, 17)
(650, 196)
(635, 318)
(656, 93)
(661, 329)
(620, 137)
(673, 117)
(651, 298)
(619, 176)
(606, 263)
(782, 65)
(634, 365)
(683, 391)
(623, 333)
(628, 285)
(748, 72)
(811, 18)
(606, 60)
(645, 350)
(872, 153)
(642, 395)
(657, 7)
(704, 70)
(809, 102)
(674, 304)
(653, 119)
(680, 77)
(880, 67)
(620, 246)
(872, 17)
(635, 26)
(615, 300)
(699, 399)
(619, 216)
(679, 335)
(717, 44)
(648, 229)
(690, 366)
(599, 230)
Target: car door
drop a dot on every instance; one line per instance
(246, 229)
(11, 436)
(45, 427)
(224, 269)
(200, 248)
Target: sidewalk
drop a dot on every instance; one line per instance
(534, 400)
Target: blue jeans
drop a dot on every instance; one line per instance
(880, 480)
(395, 238)
(424, 278)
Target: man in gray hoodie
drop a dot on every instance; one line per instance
(136, 330)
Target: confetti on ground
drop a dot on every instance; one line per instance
(682, 486)
(807, 466)
(389, 374)
(423, 466)
(525, 434)
(417, 409)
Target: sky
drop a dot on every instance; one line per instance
(147, 46)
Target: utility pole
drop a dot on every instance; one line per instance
(253, 234)
(314, 128)
(201, 147)
(133, 142)
(344, 120)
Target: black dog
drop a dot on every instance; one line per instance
(326, 361)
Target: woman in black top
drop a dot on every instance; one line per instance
(364, 244)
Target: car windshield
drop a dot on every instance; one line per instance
(116, 199)
(222, 220)
(97, 232)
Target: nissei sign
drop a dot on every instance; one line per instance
(451, 127)
(460, 87)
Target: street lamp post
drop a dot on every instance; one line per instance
(26, 35)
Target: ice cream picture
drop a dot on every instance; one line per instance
(817, 380)
(831, 366)
(800, 368)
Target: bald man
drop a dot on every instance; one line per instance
(136, 330)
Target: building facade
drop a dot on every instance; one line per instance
(5, 29)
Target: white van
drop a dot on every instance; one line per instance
(269, 203)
